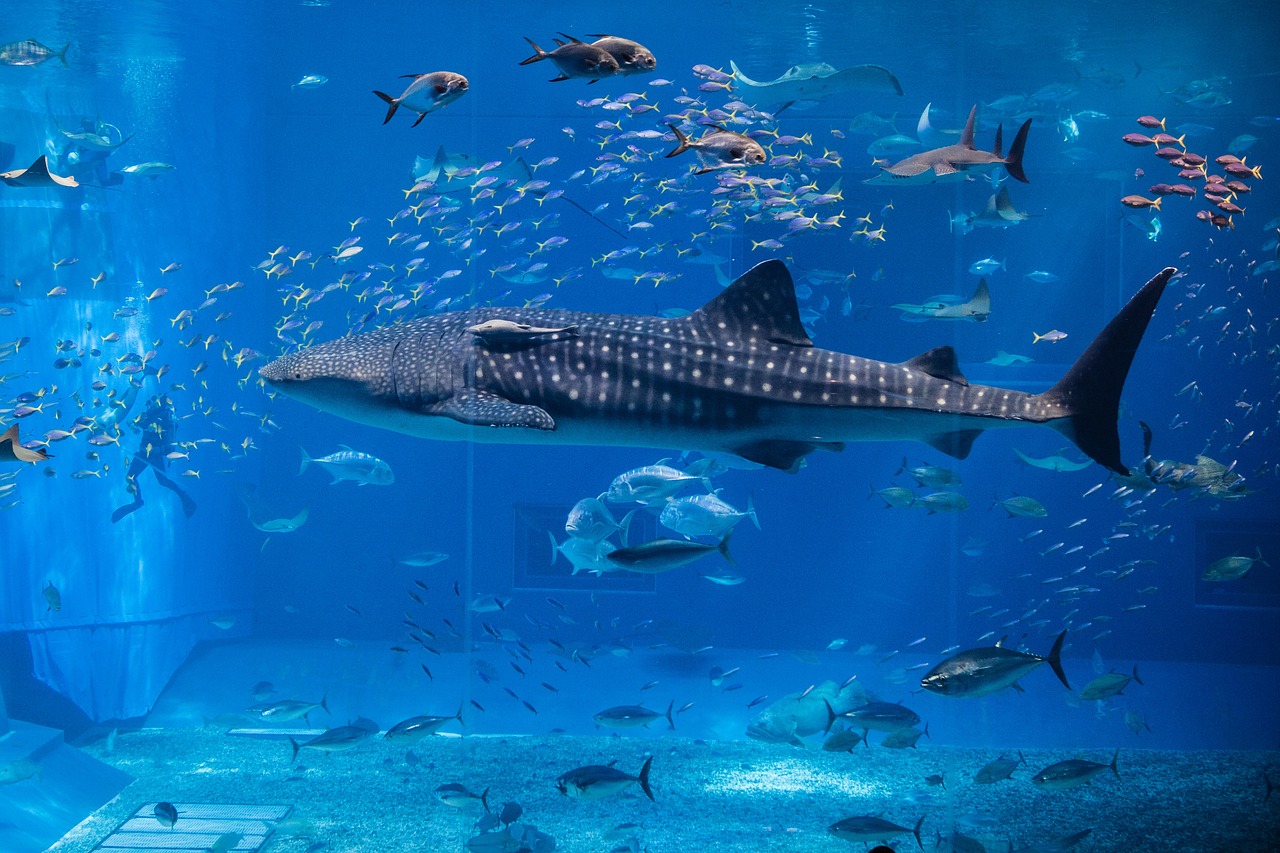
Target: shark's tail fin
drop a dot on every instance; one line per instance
(1013, 163)
(391, 110)
(1088, 396)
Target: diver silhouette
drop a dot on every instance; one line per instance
(158, 427)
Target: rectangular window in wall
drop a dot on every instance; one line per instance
(1229, 551)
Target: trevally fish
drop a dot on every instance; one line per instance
(738, 375)
(651, 485)
(353, 465)
(983, 671)
(704, 515)
(590, 519)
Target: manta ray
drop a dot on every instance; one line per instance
(37, 175)
(818, 81)
(739, 375)
(977, 308)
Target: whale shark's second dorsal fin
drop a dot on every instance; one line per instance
(760, 304)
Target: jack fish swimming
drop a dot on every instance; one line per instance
(739, 375)
(426, 94)
(348, 464)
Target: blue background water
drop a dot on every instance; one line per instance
(261, 164)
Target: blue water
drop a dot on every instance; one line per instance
(261, 163)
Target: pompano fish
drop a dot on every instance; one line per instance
(426, 94)
(632, 57)
(575, 59)
(353, 465)
(595, 781)
(719, 149)
(981, 672)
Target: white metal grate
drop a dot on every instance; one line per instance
(199, 827)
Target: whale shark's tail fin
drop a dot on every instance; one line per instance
(1089, 393)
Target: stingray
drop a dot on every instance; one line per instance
(11, 450)
(37, 175)
(818, 81)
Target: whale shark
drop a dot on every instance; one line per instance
(738, 375)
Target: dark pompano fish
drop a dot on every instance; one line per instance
(426, 94)
(720, 149)
(1072, 773)
(596, 781)
(996, 771)
(30, 52)
(632, 57)
(981, 672)
(867, 828)
(575, 59)
(663, 555)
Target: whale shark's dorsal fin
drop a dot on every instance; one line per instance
(940, 363)
(966, 136)
(760, 304)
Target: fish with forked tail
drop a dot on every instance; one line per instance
(738, 375)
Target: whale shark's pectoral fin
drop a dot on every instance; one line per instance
(956, 444)
(482, 408)
(783, 455)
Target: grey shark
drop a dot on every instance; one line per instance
(738, 375)
(957, 162)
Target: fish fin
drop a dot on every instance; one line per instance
(421, 116)
(760, 304)
(1136, 677)
(781, 454)
(723, 548)
(671, 723)
(482, 408)
(1055, 661)
(293, 743)
(62, 55)
(916, 832)
(997, 148)
(306, 460)
(1087, 398)
(1113, 762)
(940, 363)
(561, 79)
(831, 717)
(956, 444)
(966, 135)
(1013, 163)
(538, 53)
(943, 169)
(644, 778)
(681, 140)
(395, 104)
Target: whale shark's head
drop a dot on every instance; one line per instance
(346, 376)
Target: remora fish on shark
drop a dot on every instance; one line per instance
(738, 375)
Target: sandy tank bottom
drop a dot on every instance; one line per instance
(722, 796)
